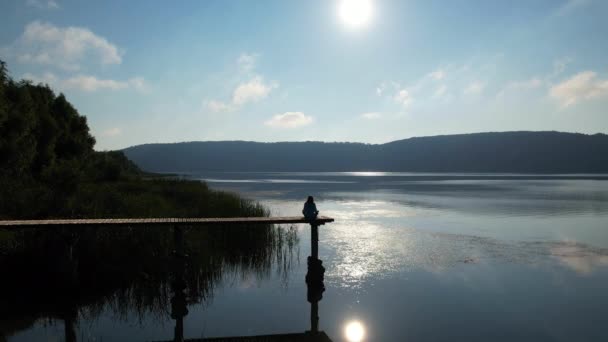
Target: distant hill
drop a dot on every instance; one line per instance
(533, 152)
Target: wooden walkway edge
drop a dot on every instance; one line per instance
(164, 221)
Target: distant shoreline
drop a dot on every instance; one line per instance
(479, 153)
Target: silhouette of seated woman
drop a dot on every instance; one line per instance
(310, 209)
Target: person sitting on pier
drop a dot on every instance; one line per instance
(310, 209)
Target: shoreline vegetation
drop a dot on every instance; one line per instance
(48, 169)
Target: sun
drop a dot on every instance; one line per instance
(355, 13)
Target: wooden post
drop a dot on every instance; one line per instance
(178, 331)
(70, 267)
(314, 278)
(314, 240)
(314, 317)
(69, 326)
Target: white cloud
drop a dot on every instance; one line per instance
(403, 98)
(247, 62)
(437, 74)
(44, 43)
(582, 86)
(371, 115)
(475, 88)
(46, 78)
(92, 83)
(252, 91)
(112, 132)
(87, 83)
(289, 120)
(43, 4)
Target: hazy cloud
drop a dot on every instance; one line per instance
(532, 83)
(92, 83)
(42, 4)
(437, 74)
(289, 120)
(440, 91)
(475, 88)
(44, 43)
(247, 62)
(371, 115)
(218, 106)
(580, 87)
(252, 91)
(46, 78)
(112, 132)
(569, 6)
(385, 87)
(403, 98)
(87, 83)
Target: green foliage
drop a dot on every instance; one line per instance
(48, 168)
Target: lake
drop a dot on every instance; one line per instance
(411, 257)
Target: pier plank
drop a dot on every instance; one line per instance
(164, 221)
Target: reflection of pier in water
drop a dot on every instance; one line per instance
(314, 284)
(314, 277)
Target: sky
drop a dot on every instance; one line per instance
(368, 71)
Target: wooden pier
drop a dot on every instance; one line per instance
(7, 224)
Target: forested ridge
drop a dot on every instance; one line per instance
(523, 152)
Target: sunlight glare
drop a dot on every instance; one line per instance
(355, 13)
(354, 331)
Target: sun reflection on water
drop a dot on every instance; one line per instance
(372, 240)
(354, 331)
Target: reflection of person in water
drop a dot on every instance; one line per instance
(310, 209)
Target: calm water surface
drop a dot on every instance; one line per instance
(413, 257)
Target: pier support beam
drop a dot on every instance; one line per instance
(178, 241)
(314, 279)
(179, 308)
(314, 241)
